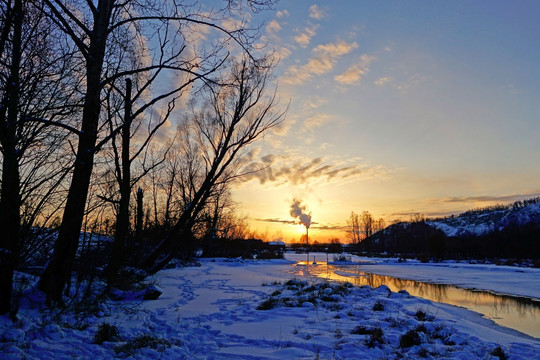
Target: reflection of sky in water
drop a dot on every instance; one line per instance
(518, 313)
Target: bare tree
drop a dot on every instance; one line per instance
(353, 228)
(226, 121)
(93, 29)
(379, 225)
(32, 80)
(91, 40)
(367, 223)
(10, 202)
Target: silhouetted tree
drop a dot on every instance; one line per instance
(353, 228)
(97, 30)
(33, 94)
(366, 224)
(228, 120)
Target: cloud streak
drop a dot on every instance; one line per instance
(323, 61)
(314, 225)
(304, 38)
(282, 169)
(273, 27)
(469, 199)
(356, 72)
(315, 12)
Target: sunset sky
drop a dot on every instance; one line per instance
(397, 107)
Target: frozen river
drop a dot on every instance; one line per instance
(507, 295)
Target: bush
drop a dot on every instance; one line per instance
(378, 306)
(106, 332)
(362, 330)
(499, 352)
(268, 304)
(376, 337)
(411, 338)
(142, 341)
(420, 315)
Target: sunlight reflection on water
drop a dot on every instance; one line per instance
(519, 313)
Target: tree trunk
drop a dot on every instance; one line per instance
(58, 272)
(118, 255)
(10, 194)
(139, 220)
(10, 197)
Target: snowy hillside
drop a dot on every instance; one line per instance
(481, 223)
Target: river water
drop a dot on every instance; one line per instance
(519, 313)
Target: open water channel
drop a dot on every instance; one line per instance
(519, 313)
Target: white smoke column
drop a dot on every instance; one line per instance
(298, 211)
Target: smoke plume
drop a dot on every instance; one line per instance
(298, 211)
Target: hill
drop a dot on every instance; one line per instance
(508, 232)
(482, 221)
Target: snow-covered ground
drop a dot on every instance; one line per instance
(211, 312)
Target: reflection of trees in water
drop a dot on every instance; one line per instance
(513, 309)
(523, 308)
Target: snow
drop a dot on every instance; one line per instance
(482, 223)
(210, 312)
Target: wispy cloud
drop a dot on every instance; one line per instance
(273, 27)
(315, 12)
(382, 81)
(323, 61)
(314, 103)
(282, 169)
(314, 225)
(282, 13)
(275, 220)
(304, 38)
(316, 121)
(329, 227)
(486, 199)
(355, 73)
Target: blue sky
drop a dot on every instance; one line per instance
(398, 107)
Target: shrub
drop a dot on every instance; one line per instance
(362, 330)
(268, 304)
(376, 337)
(499, 352)
(106, 332)
(420, 315)
(378, 306)
(410, 338)
(142, 341)
(375, 334)
(340, 258)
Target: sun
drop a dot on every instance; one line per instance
(300, 229)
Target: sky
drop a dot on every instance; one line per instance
(396, 108)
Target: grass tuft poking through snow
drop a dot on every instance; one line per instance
(143, 341)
